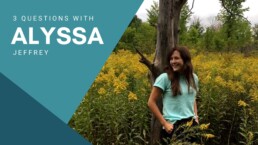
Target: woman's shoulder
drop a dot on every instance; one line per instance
(163, 75)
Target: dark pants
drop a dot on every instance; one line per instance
(178, 132)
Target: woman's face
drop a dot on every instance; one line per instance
(176, 61)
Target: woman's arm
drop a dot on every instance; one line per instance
(196, 112)
(155, 94)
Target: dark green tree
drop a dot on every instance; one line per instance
(232, 20)
(208, 38)
(135, 23)
(153, 13)
(145, 38)
(255, 32)
(195, 33)
(184, 19)
(138, 35)
(128, 38)
(126, 41)
(255, 36)
(244, 36)
(211, 40)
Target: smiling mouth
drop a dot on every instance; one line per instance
(175, 66)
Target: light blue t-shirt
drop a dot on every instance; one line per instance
(180, 106)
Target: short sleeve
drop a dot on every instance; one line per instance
(161, 81)
(196, 80)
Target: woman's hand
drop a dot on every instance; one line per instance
(168, 127)
(197, 119)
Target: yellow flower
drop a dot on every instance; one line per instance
(132, 96)
(122, 76)
(219, 80)
(204, 126)
(241, 103)
(101, 91)
(189, 123)
(119, 86)
(250, 136)
(254, 94)
(208, 135)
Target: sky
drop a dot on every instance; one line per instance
(206, 10)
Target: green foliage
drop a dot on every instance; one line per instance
(211, 40)
(197, 26)
(145, 39)
(135, 23)
(255, 32)
(195, 34)
(142, 37)
(208, 38)
(126, 42)
(247, 136)
(255, 36)
(184, 18)
(233, 33)
(153, 14)
(235, 28)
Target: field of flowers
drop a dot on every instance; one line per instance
(115, 111)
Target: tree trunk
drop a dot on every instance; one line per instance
(167, 38)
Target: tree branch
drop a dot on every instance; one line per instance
(190, 11)
(146, 62)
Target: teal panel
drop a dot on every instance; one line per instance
(59, 79)
(24, 121)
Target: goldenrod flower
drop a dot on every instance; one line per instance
(101, 91)
(250, 135)
(189, 123)
(254, 94)
(208, 136)
(132, 96)
(204, 126)
(241, 103)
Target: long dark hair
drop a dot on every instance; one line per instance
(187, 70)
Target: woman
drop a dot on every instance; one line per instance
(178, 87)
